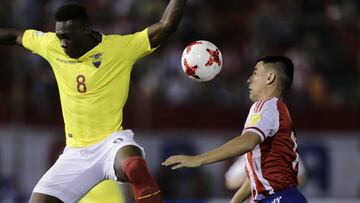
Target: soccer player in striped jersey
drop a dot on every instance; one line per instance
(92, 71)
(268, 139)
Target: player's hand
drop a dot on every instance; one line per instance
(180, 161)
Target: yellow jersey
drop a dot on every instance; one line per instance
(107, 191)
(93, 88)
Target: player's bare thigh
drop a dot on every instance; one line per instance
(42, 198)
(121, 155)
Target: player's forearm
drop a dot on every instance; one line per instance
(235, 147)
(9, 36)
(168, 23)
(172, 15)
(243, 193)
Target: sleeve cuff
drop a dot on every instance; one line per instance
(257, 131)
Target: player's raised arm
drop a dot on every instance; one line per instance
(168, 23)
(10, 36)
(235, 147)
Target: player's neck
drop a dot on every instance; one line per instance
(93, 40)
(271, 93)
(90, 42)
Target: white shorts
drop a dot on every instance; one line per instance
(77, 170)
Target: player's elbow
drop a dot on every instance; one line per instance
(9, 36)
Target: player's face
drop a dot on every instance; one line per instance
(71, 35)
(257, 82)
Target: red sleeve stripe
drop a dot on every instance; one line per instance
(260, 104)
(257, 106)
(258, 130)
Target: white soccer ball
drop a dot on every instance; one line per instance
(201, 60)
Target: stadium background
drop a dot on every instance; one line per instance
(170, 113)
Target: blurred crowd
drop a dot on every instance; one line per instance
(321, 37)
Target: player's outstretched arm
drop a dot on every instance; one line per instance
(168, 23)
(9, 36)
(235, 147)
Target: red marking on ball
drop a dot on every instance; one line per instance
(214, 57)
(188, 48)
(190, 70)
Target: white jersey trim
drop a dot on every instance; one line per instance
(251, 177)
(257, 167)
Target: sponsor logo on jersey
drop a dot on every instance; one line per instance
(117, 140)
(68, 61)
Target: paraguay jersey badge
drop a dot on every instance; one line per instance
(96, 59)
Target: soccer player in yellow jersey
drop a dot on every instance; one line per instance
(92, 71)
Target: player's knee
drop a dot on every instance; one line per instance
(122, 156)
(137, 172)
(143, 183)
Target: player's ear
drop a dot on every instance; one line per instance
(270, 78)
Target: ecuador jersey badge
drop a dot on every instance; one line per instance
(96, 59)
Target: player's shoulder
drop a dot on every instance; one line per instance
(129, 36)
(39, 33)
(261, 105)
(115, 39)
(36, 39)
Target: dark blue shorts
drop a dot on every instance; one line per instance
(289, 195)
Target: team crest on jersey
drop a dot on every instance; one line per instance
(96, 59)
(254, 119)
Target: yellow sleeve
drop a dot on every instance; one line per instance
(37, 41)
(137, 45)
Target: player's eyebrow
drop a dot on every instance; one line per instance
(63, 34)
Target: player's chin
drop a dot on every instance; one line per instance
(251, 96)
(71, 54)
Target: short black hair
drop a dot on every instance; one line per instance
(282, 65)
(71, 12)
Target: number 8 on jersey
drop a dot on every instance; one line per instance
(81, 86)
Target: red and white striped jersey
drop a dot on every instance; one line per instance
(273, 164)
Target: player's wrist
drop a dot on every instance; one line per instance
(201, 160)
